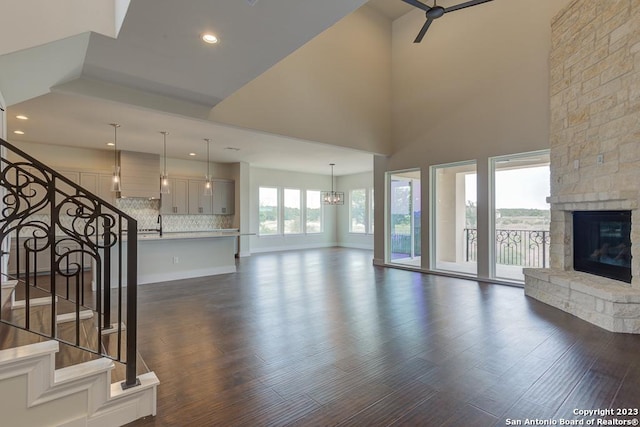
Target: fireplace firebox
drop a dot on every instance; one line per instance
(602, 243)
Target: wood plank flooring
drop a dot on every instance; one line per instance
(322, 337)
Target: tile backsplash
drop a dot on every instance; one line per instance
(146, 213)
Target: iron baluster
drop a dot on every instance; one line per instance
(59, 216)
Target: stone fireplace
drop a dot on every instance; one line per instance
(595, 154)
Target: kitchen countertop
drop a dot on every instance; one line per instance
(188, 235)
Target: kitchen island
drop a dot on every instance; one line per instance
(180, 255)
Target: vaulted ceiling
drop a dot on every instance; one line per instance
(141, 63)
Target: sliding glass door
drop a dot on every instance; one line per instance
(521, 214)
(454, 218)
(404, 218)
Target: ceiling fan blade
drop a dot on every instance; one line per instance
(464, 5)
(417, 4)
(423, 31)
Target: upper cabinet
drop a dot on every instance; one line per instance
(99, 184)
(223, 197)
(187, 197)
(198, 202)
(176, 202)
(140, 175)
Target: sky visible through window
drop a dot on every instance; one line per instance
(524, 188)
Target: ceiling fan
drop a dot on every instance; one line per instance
(436, 12)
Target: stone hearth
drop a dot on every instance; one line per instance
(595, 154)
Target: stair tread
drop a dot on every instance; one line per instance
(68, 355)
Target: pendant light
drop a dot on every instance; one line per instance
(165, 187)
(208, 185)
(332, 197)
(115, 180)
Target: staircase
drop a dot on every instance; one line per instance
(67, 324)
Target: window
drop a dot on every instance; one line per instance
(358, 211)
(268, 203)
(454, 217)
(292, 211)
(284, 211)
(404, 212)
(521, 215)
(371, 211)
(313, 213)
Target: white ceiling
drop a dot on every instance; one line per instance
(158, 51)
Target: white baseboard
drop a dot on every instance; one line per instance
(356, 246)
(293, 247)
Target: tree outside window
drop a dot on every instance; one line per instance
(358, 211)
(268, 204)
(313, 212)
(292, 211)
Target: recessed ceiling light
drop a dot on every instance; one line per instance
(210, 38)
(110, 144)
(22, 117)
(192, 154)
(18, 132)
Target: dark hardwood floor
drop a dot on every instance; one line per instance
(322, 337)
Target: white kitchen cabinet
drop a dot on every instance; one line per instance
(198, 202)
(98, 184)
(223, 197)
(177, 201)
(61, 185)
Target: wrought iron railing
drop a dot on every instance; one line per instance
(527, 248)
(60, 235)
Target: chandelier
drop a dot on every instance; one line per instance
(332, 197)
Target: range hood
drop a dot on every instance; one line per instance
(139, 175)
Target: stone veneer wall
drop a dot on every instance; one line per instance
(595, 111)
(595, 153)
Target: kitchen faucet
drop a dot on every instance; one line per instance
(160, 222)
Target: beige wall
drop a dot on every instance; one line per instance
(476, 87)
(347, 183)
(69, 157)
(335, 89)
(3, 118)
(84, 159)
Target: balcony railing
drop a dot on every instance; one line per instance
(526, 248)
